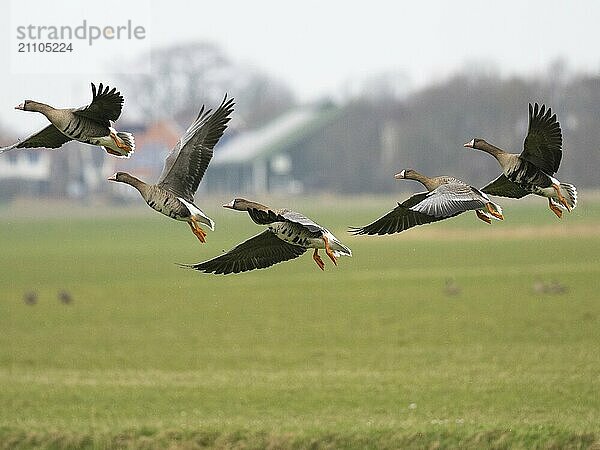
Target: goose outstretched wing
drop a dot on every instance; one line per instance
(258, 252)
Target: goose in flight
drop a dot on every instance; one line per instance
(445, 197)
(90, 124)
(185, 165)
(532, 172)
(288, 235)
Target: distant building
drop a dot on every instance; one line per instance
(24, 171)
(317, 148)
(74, 171)
(270, 158)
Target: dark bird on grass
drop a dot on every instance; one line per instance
(532, 171)
(173, 194)
(65, 297)
(289, 235)
(557, 288)
(445, 197)
(451, 288)
(90, 124)
(30, 298)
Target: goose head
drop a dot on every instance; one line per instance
(475, 143)
(32, 105)
(119, 177)
(25, 106)
(405, 174)
(124, 177)
(241, 204)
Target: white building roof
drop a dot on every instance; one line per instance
(250, 144)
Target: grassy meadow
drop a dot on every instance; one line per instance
(369, 354)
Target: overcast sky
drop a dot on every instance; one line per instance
(317, 46)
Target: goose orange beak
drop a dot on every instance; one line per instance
(400, 175)
(21, 107)
(229, 205)
(112, 177)
(470, 144)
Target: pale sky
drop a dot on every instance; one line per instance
(316, 47)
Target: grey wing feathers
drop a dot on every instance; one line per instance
(503, 187)
(292, 216)
(105, 107)
(399, 219)
(268, 216)
(258, 252)
(49, 137)
(449, 200)
(265, 216)
(187, 162)
(543, 144)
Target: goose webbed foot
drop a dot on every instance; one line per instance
(483, 217)
(561, 199)
(555, 209)
(318, 259)
(198, 232)
(119, 142)
(493, 211)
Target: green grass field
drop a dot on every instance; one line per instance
(369, 354)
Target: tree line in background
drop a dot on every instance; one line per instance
(426, 131)
(184, 77)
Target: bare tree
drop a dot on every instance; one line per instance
(183, 77)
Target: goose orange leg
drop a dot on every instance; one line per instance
(198, 232)
(318, 259)
(493, 212)
(119, 143)
(483, 216)
(555, 209)
(561, 199)
(329, 251)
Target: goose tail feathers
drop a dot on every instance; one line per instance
(497, 210)
(119, 143)
(570, 193)
(128, 139)
(337, 247)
